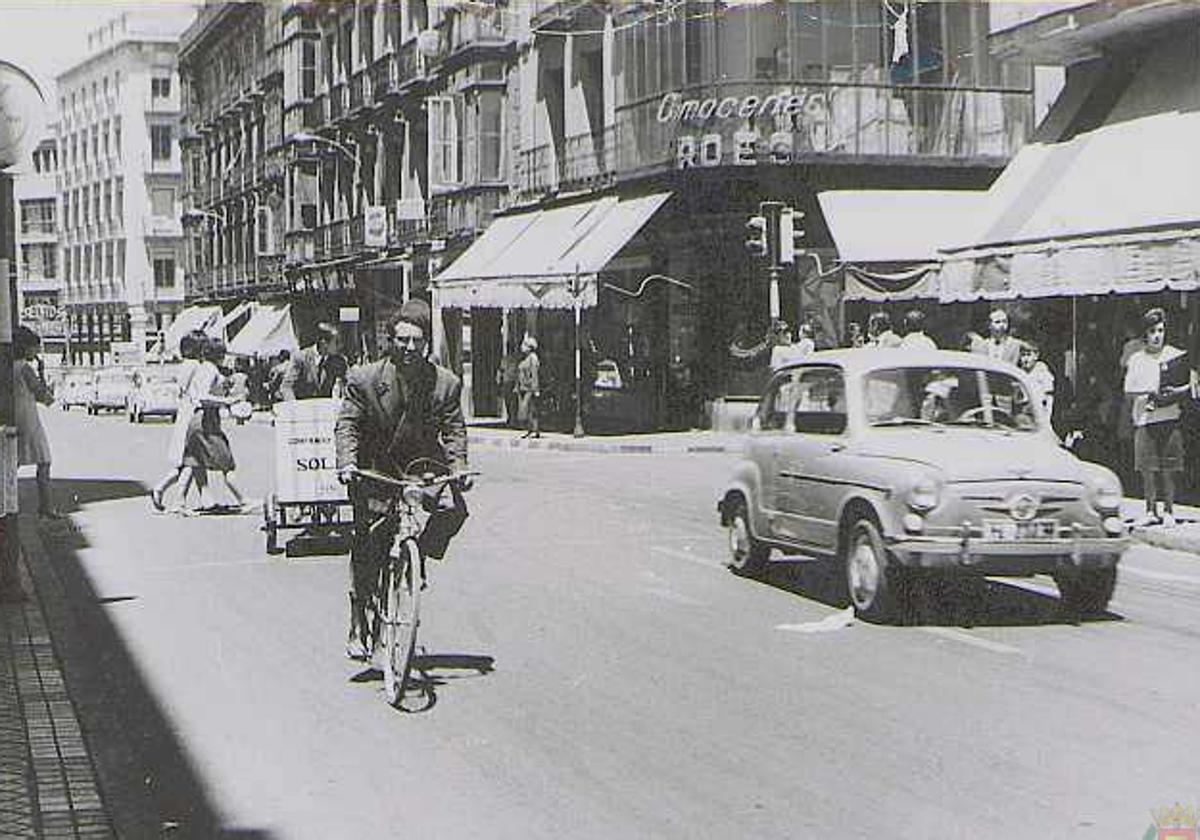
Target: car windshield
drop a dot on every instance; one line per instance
(950, 396)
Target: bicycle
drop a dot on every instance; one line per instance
(396, 603)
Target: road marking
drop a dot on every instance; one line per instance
(688, 556)
(967, 639)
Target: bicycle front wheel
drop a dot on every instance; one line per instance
(401, 620)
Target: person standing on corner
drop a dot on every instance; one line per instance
(1157, 433)
(879, 331)
(529, 387)
(315, 369)
(29, 389)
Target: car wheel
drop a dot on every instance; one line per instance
(747, 556)
(1086, 591)
(871, 582)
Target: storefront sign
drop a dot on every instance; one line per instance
(674, 108)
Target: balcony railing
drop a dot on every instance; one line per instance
(811, 121)
(382, 76)
(337, 101)
(360, 90)
(300, 246)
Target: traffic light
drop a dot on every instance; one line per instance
(790, 234)
(756, 239)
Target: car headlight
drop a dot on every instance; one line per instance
(925, 494)
(1106, 492)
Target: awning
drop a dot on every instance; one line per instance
(877, 287)
(229, 322)
(192, 318)
(268, 331)
(898, 226)
(535, 259)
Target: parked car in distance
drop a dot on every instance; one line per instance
(154, 392)
(110, 390)
(74, 389)
(900, 466)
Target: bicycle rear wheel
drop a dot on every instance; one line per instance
(401, 620)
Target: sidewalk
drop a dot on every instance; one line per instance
(48, 785)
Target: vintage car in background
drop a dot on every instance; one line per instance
(899, 465)
(110, 390)
(154, 393)
(74, 389)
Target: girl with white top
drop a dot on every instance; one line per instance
(189, 349)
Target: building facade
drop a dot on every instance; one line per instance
(39, 279)
(119, 184)
(347, 155)
(708, 109)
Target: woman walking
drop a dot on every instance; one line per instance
(529, 387)
(29, 389)
(189, 349)
(207, 448)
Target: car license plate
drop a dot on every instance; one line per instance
(1010, 530)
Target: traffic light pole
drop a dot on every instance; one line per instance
(773, 272)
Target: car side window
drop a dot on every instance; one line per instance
(820, 406)
(778, 402)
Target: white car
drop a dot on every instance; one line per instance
(154, 393)
(110, 390)
(73, 390)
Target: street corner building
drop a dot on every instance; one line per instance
(576, 171)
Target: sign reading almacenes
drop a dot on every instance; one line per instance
(674, 108)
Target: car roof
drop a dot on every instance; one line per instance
(864, 359)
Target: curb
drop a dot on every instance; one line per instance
(1183, 538)
(601, 446)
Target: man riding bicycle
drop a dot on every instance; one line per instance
(400, 415)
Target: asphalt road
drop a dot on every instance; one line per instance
(592, 671)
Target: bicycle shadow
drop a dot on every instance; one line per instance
(431, 671)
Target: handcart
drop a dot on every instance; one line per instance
(308, 496)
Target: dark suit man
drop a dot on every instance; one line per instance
(398, 411)
(314, 370)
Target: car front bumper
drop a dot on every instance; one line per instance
(1025, 557)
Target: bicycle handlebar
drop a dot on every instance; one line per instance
(400, 482)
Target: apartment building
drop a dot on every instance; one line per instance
(119, 184)
(39, 279)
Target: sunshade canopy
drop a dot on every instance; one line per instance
(268, 331)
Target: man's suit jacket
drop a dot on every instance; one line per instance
(386, 422)
(1008, 350)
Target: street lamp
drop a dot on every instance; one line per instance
(305, 137)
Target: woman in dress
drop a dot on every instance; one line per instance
(189, 349)
(529, 387)
(207, 448)
(29, 389)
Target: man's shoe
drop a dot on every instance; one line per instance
(1168, 520)
(1146, 520)
(356, 650)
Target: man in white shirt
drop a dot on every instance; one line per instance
(914, 332)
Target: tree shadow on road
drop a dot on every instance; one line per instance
(938, 601)
(149, 783)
